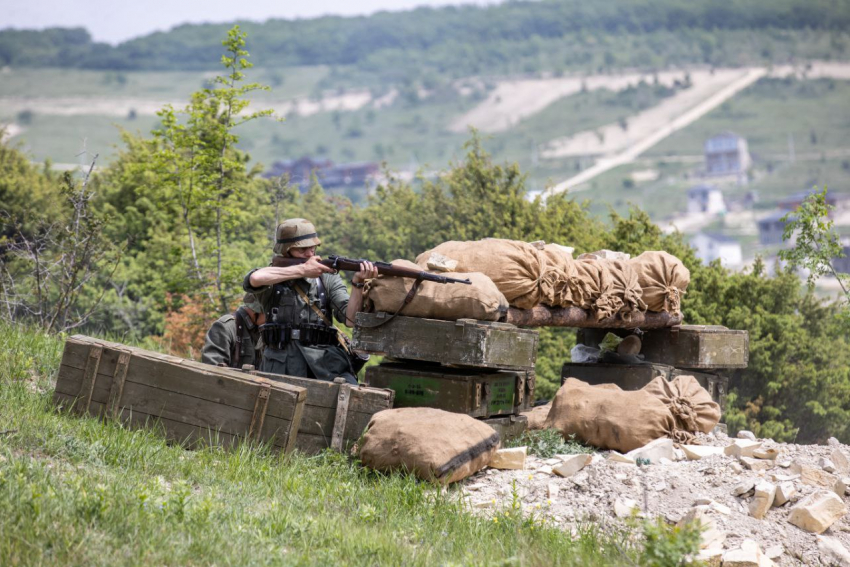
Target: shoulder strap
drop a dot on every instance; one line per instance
(236, 351)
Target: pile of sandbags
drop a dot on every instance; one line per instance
(606, 283)
(482, 300)
(610, 418)
(432, 444)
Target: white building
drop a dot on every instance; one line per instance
(706, 199)
(727, 154)
(710, 247)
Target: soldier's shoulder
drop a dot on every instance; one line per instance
(226, 318)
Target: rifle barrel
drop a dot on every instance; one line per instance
(385, 268)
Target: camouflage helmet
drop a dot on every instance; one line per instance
(251, 302)
(295, 233)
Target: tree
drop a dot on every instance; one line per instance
(199, 166)
(817, 242)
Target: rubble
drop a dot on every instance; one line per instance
(769, 454)
(744, 434)
(720, 490)
(509, 459)
(654, 450)
(571, 465)
(833, 552)
(697, 452)
(742, 448)
(842, 465)
(817, 511)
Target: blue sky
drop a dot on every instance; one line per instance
(114, 21)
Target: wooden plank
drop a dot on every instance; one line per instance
(325, 394)
(697, 346)
(204, 382)
(340, 416)
(117, 388)
(545, 316)
(176, 430)
(89, 377)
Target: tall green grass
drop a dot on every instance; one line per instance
(78, 491)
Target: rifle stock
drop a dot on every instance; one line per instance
(384, 268)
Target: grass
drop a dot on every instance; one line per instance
(546, 443)
(77, 491)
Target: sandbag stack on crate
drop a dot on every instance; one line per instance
(707, 352)
(480, 368)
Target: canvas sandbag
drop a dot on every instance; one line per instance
(691, 405)
(558, 285)
(625, 288)
(663, 279)
(595, 288)
(482, 300)
(432, 444)
(537, 416)
(609, 418)
(515, 267)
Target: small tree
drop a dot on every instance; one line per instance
(197, 163)
(817, 242)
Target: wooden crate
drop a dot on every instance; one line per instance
(194, 403)
(509, 426)
(636, 376)
(465, 342)
(697, 346)
(335, 414)
(475, 393)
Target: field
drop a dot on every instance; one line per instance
(80, 492)
(412, 130)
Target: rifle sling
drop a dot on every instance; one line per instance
(407, 299)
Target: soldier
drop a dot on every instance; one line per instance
(234, 339)
(299, 302)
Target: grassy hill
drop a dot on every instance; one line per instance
(77, 491)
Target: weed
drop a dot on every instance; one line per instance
(546, 443)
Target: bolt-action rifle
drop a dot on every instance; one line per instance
(384, 268)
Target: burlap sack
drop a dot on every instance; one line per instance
(537, 416)
(515, 267)
(663, 280)
(626, 289)
(558, 285)
(482, 300)
(609, 418)
(433, 444)
(690, 404)
(595, 288)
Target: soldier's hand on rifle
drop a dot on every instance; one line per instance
(313, 269)
(367, 272)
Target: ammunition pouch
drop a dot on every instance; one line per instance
(278, 336)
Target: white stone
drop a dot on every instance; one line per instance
(703, 501)
(616, 457)
(697, 452)
(736, 468)
(664, 461)
(711, 557)
(815, 477)
(679, 455)
(826, 465)
(833, 442)
(743, 487)
(623, 507)
(784, 463)
(766, 454)
(710, 534)
(842, 465)
(817, 511)
(755, 464)
(580, 479)
(571, 465)
(720, 508)
(552, 490)
(840, 487)
(654, 450)
(742, 448)
(774, 551)
(744, 557)
(784, 492)
(845, 480)
(762, 500)
(833, 552)
(784, 477)
(744, 434)
(509, 459)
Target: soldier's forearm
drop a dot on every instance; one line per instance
(271, 275)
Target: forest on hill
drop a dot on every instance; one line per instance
(512, 37)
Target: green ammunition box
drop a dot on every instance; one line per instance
(509, 426)
(478, 394)
(697, 346)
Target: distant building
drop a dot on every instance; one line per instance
(727, 154)
(710, 247)
(838, 201)
(329, 175)
(706, 199)
(842, 265)
(771, 228)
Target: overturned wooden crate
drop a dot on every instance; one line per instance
(335, 414)
(194, 403)
(465, 342)
(475, 392)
